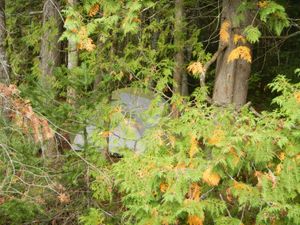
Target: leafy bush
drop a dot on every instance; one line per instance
(16, 212)
(218, 166)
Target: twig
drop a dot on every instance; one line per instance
(226, 206)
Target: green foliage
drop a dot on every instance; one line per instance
(94, 217)
(252, 34)
(256, 160)
(212, 164)
(15, 212)
(274, 16)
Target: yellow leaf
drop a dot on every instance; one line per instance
(262, 4)
(224, 32)
(89, 46)
(84, 41)
(82, 33)
(241, 52)
(195, 68)
(194, 220)
(194, 192)
(217, 137)
(278, 169)
(210, 177)
(240, 186)
(105, 134)
(297, 96)
(194, 145)
(281, 156)
(238, 38)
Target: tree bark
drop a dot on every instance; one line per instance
(50, 46)
(72, 60)
(185, 80)
(50, 58)
(179, 56)
(179, 46)
(231, 82)
(4, 67)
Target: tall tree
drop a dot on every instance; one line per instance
(231, 83)
(4, 68)
(50, 46)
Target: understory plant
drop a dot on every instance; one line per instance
(217, 166)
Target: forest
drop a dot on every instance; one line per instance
(150, 112)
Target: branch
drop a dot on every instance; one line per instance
(209, 63)
(282, 37)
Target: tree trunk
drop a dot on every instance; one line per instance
(185, 80)
(179, 46)
(50, 58)
(231, 83)
(50, 47)
(72, 60)
(4, 68)
(179, 56)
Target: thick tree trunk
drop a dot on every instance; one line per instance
(72, 60)
(4, 68)
(50, 47)
(231, 83)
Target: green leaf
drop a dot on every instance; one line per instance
(252, 34)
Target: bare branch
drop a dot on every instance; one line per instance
(209, 63)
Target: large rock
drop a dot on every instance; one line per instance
(141, 110)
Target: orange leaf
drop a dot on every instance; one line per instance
(194, 220)
(297, 96)
(224, 32)
(194, 146)
(94, 9)
(241, 52)
(195, 68)
(163, 187)
(210, 177)
(194, 192)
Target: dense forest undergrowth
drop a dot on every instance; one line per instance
(149, 112)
